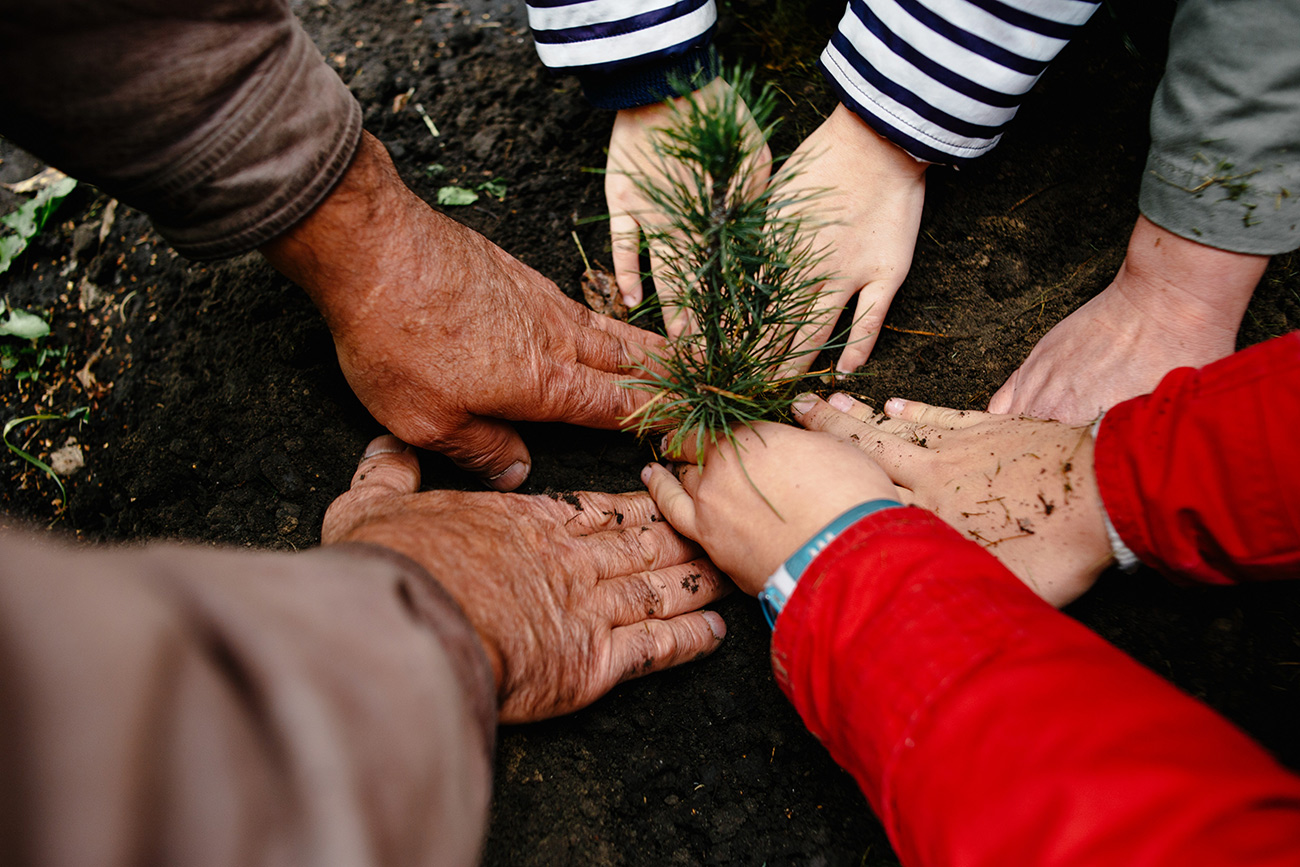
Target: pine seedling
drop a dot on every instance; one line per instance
(746, 271)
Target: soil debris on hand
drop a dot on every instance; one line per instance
(601, 293)
(599, 288)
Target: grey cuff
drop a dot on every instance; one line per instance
(1224, 166)
(1210, 200)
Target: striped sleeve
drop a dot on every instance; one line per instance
(941, 78)
(627, 53)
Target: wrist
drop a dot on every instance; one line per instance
(1186, 286)
(1123, 555)
(781, 584)
(339, 253)
(438, 578)
(847, 130)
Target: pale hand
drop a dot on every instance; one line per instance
(568, 600)
(752, 509)
(867, 197)
(631, 158)
(1174, 303)
(1023, 488)
(444, 336)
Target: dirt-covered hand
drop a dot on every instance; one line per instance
(1173, 303)
(631, 158)
(751, 509)
(444, 336)
(569, 596)
(867, 194)
(1023, 488)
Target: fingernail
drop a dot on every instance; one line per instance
(716, 624)
(385, 445)
(663, 445)
(840, 401)
(512, 477)
(629, 300)
(803, 403)
(895, 405)
(645, 474)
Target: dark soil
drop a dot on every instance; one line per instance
(218, 414)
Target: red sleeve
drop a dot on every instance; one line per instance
(988, 729)
(1201, 478)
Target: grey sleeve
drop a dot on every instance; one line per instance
(1224, 165)
(218, 118)
(171, 705)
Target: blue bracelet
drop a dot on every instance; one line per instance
(777, 589)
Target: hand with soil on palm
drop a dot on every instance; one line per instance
(444, 336)
(1023, 488)
(569, 596)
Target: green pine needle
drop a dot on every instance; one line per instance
(748, 274)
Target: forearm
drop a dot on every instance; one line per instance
(213, 707)
(221, 121)
(628, 54)
(1223, 168)
(1201, 478)
(986, 728)
(941, 80)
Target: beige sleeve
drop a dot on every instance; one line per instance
(218, 118)
(171, 705)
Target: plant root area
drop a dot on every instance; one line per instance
(217, 413)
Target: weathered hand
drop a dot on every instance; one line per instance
(443, 335)
(1174, 303)
(632, 157)
(1025, 489)
(568, 599)
(752, 509)
(872, 193)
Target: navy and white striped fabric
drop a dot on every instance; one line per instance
(583, 34)
(940, 78)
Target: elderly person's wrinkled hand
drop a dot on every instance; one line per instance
(1025, 489)
(444, 336)
(569, 598)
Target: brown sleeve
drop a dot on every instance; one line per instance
(218, 118)
(170, 705)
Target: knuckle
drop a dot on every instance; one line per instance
(646, 600)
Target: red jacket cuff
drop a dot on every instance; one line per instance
(898, 607)
(1199, 478)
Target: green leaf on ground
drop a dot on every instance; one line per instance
(80, 413)
(24, 325)
(21, 226)
(496, 188)
(456, 196)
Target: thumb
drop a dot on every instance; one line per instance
(389, 466)
(388, 469)
(1001, 400)
(490, 449)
